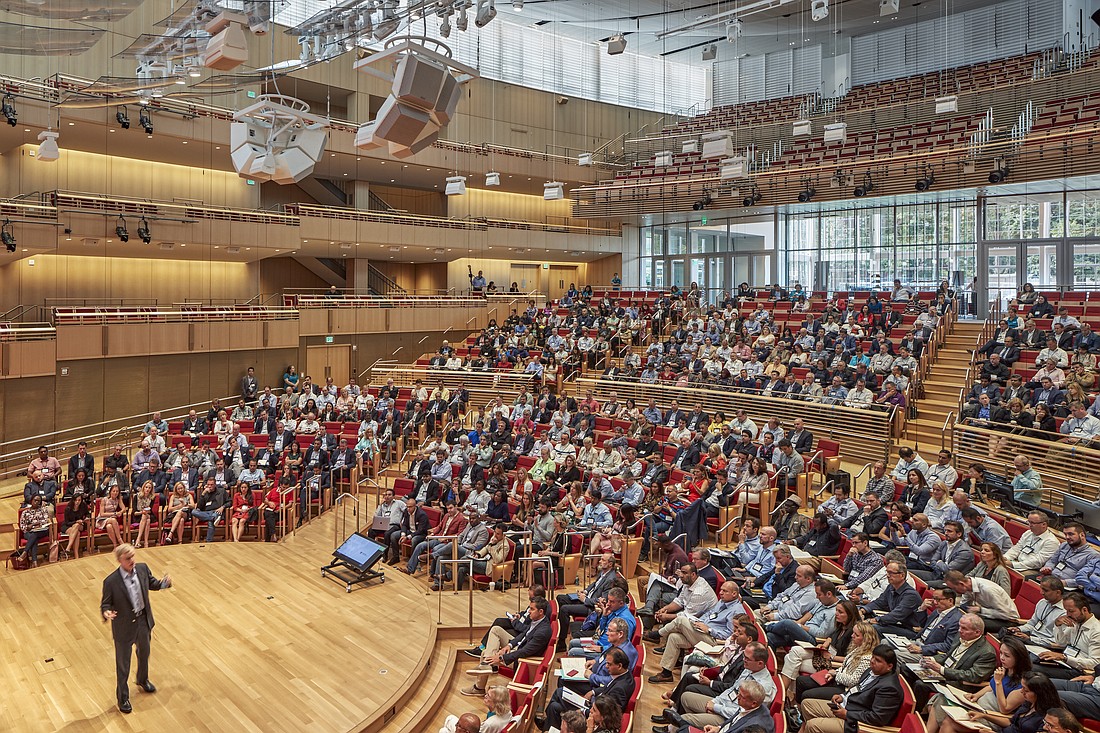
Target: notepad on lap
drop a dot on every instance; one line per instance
(572, 667)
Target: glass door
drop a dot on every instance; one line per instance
(1002, 275)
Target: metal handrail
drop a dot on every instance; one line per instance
(824, 486)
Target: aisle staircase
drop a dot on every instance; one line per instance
(941, 391)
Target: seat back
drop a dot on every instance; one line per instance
(907, 702)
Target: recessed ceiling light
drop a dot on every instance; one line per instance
(182, 244)
(345, 174)
(305, 241)
(382, 162)
(26, 129)
(217, 147)
(184, 142)
(247, 249)
(276, 250)
(392, 180)
(110, 130)
(358, 159)
(332, 155)
(71, 124)
(405, 166)
(215, 246)
(429, 170)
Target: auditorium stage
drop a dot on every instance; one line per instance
(250, 637)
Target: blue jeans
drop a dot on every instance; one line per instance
(33, 538)
(419, 549)
(209, 518)
(786, 632)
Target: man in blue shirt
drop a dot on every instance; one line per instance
(612, 607)
(596, 514)
(713, 626)
(817, 623)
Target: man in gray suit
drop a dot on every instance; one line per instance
(126, 605)
(954, 554)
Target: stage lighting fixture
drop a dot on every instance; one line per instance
(553, 191)
(926, 181)
(888, 7)
(734, 29)
(7, 234)
(819, 9)
(462, 21)
(1000, 173)
(702, 203)
(486, 11)
(122, 118)
(710, 52)
(456, 186)
(445, 27)
(120, 230)
(10, 113)
(753, 198)
(143, 231)
(492, 178)
(145, 120)
(616, 44)
(864, 188)
(517, 5)
(807, 194)
(584, 159)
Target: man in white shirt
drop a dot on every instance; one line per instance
(943, 471)
(695, 597)
(1040, 629)
(839, 506)
(908, 460)
(1037, 545)
(994, 604)
(1078, 632)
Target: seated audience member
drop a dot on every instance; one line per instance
(1002, 694)
(875, 699)
(953, 554)
(613, 681)
(82, 459)
(1037, 545)
(695, 597)
(685, 630)
(855, 662)
(210, 506)
(76, 521)
(1071, 556)
(1077, 632)
(898, 605)
(1041, 629)
(1039, 697)
(861, 562)
(35, 523)
(502, 649)
(698, 710)
(871, 520)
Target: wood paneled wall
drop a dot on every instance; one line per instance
(102, 278)
(499, 271)
(600, 271)
(421, 277)
(110, 173)
(480, 202)
(427, 203)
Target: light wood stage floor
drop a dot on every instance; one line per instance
(249, 638)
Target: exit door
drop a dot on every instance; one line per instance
(331, 360)
(561, 276)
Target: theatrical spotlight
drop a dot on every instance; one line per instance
(10, 113)
(143, 232)
(517, 5)
(753, 198)
(864, 188)
(702, 203)
(146, 120)
(120, 230)
(807, 193)
(926, 181)
(1000, 173)
(122, 118)
(486, 11)
(616, 44)
(7, 234)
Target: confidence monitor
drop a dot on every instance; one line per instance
(354, 561)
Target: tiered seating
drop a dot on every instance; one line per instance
(1075, 113)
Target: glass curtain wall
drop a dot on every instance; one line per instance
(1051, 240)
